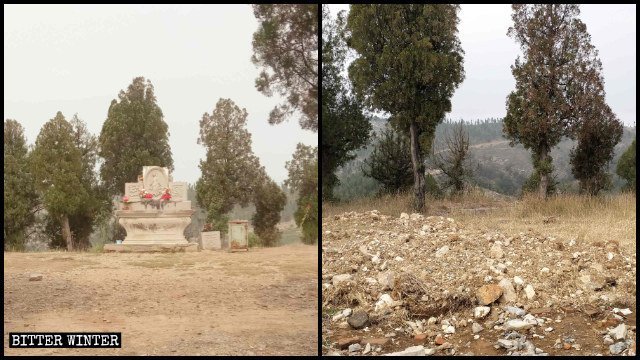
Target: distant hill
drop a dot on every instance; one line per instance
(497, 166)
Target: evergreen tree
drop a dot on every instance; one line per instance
(558, 74)
(269, 200)
(134, 135)
(20, 196)
(286, 47)
(597, 137)
(96, 208)
(303, 178)
(409, 62)
(58, 170)
(230, 171)
(626, 168)
(344, 126)
(390, 161)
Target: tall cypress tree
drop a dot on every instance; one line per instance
(20, 197)
(58, 170)
(134, 135)
(344, 126)
(230, 171)
(556, 80)
(409, 62)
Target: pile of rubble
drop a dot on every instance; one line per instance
(427, 276)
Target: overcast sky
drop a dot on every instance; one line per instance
(76, 58)
(489, 53)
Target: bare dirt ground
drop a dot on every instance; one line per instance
(415, 275)
(263, 302)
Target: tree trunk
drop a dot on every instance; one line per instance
(544, 177)
(66, 232)
(418, 169)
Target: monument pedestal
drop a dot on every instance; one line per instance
(123, 248)
(154, 227)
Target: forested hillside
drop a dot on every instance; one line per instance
(496, 165)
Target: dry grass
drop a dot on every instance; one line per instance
(610, 218)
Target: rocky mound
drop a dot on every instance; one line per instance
(429, 275)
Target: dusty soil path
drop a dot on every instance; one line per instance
(263, 302)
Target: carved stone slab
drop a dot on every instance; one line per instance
(211, 240)
(156, 179)
(132, 190)
(178, 191)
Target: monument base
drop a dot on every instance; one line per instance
(164, 248)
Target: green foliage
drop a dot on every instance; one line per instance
(58, 171)
(344, 126)
(230, 171)
(303, 178)
(269, 200)
(286, 47)
(409, 62)
(253, 239)
(432, 187)
(626, 168)
(96, 208)
(597, 137)
(20, 197)
(134, 135)
(390, 161)
(556, 83)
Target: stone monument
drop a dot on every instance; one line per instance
(211, 240)
(151, 217)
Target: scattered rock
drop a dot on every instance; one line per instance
(35, 277)
(488, 294)
(344, 343)
(432, 320)
(624, 312)
(515, 310)
(448, 329)
(420, 337)
(346, 312)
(566, 346)
(476, 328)
(496, 251)
(439, 340)
(359, 319)
(367, 349)
(608, 340)
(518, 281)
(410, 351)
(528, 290)
(508, 292)
(387, 280)
(480, 312)
(385, 301)
(507, 344)
(354, 347)
(375, 341)
(337, 279)
(517, 324)
(617, 348)
(619, 332)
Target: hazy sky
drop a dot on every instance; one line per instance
(76, 58)
(489, 53)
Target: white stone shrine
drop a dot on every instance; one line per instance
(155, 221)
